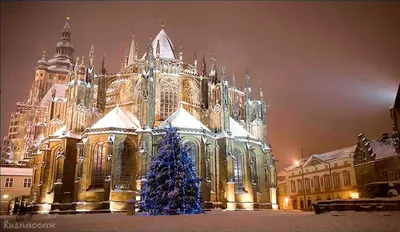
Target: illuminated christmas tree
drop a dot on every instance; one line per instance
(173, 186)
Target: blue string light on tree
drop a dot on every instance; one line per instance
(173, 186)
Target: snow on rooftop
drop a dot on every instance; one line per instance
(344, 152)
(71, 134)
(60, 93)
(383, 149)
(118, 118)
(60, 131)
(182, 119)
(296, 165)
(237, 130)
(167, 50)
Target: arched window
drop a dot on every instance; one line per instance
(99, 165)
(123, 169)
(192, 149)
(267, 176)
(254, 174)
(238, 169)
(59, 167)
(168, 98)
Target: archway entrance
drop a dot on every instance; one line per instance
(15, 204)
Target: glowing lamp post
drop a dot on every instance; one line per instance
(303, 183)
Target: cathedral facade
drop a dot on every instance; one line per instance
(90, 135)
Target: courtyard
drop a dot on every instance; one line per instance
(224, 221)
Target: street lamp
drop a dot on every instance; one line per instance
(330, 178)
(303, 183)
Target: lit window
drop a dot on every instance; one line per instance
(316, 182)
(123, 170)
(385, 176)
(99, 166)
(238, 169)
(300, 185)
(346, 178)
(336, 180)
(308, 187)
(293, 186)
(59, 167)
(27, 182)
(192, 149)
(327, 181)
(168, 98)
(9, 183)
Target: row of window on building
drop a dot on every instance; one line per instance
(9, 182)
(317, 182)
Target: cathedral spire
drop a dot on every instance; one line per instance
(42, 63)
(225, 100)
(126, 58)
(64, 47)
(195, 59)
(104, 65)
(247, 84)
(204, 67)
(136, 50)
(91, 56)
(180, 53)
(233, 79)
(261, 92)
(132, 51)
(213, 71)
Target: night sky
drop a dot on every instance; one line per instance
(329, 69)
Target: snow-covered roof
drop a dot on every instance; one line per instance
(182, 119)
(167, 50)
(344, 152)
(383, 149)
(237, 130)
(60, 131)
(60, 93)
(293, 166)
(118, 118)
(71, 134)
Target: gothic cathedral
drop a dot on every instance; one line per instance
(89, 135)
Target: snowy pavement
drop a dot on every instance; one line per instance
(216, 221)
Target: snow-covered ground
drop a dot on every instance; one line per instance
(249, 221)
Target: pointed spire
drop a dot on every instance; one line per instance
(195, 59)
(162, 22)
(204, 67)
(64, 50)
(261, 92)
(82, 61)
(180, 53)
(136, 50)
(91, 56)
(67, 27)
(126, 58)
(44, 55)
(132, 51)
(247, 84)
(223, 78)
(104, 65)
(76, 68)
(234, 79)
(213, 71)
(42, 63)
